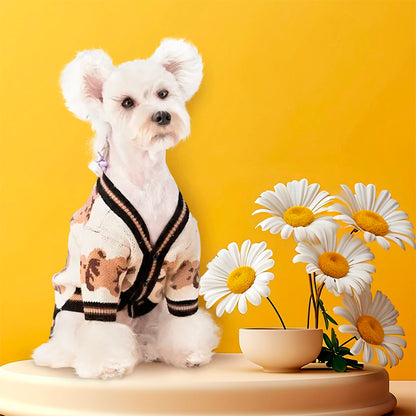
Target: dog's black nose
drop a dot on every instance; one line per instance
(162, 118)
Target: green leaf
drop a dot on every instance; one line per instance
(343, 351)
(339, 364)
(331, 319)
(328, 341)
(354, 364)
(326, 321)
(334, 339)
(324, 355)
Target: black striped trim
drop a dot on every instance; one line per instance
(74, 303)
(153, 256)
(126, 211)
(183, 307)
(97, 311)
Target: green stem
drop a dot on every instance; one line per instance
(278, 314)
(346, 342)
(317, 294)
(312, 295)
(309, 311)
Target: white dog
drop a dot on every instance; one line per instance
(129, 290)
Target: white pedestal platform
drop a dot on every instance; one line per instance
(230, 385)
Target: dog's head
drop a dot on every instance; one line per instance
(141, 102)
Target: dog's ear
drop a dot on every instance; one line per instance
(82, 83)
(183, 61)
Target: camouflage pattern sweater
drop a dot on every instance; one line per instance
(111, 263)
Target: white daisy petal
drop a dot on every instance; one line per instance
(394, 330)
(381, 200)
(266, 265)
(349, 199)
(396, 216)
(265, 277)
(393, 358)
(395, 340)
(300, 233)
(388, 208)
(369, 237)
(262, 290)
(245, 247)
(382, 357)
(396, 240)
(403, 238)
(222, 305)
(242, 304)
(304, 258)
(382, 242)
(233, 255)
(349, 329)
(360, 193)
(352, 306)
(254, 251)
(232, 302)
(286, 231)
(268, 223)
(310, 194)
(339, 310)
(261, 258)
(396, 349)
(368, 353)
(253, 297)
(263, 210)
(347, 219)
(357, 347)
(275, 229)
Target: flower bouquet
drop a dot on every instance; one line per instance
(339, 264)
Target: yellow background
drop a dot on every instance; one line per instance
(317, 89)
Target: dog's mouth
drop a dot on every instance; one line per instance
(161, 136)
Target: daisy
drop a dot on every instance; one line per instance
(378, 218)
(341, 267)
(239, 276)
(295, 207)
(373, 323)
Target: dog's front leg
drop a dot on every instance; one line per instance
(60, 350)
(105, 350)
(187, 341)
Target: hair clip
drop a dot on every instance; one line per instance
(102, 163)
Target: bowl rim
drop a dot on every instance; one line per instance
(291, 329)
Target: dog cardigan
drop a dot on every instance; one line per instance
(111, 263)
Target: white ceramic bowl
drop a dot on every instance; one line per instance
(280, 350)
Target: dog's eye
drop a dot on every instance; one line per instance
(163, 94)
(127, 102)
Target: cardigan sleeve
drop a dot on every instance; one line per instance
(103, 264)
(182, 272)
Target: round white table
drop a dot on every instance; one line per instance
(229, 385)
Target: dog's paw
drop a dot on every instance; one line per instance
(53, 354)
(104, 370)
(194, 359)
(197, 359)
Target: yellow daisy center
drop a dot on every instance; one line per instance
(298, 216)
(372, 222)
(370, 329)
(333, 264)
(241, 279)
